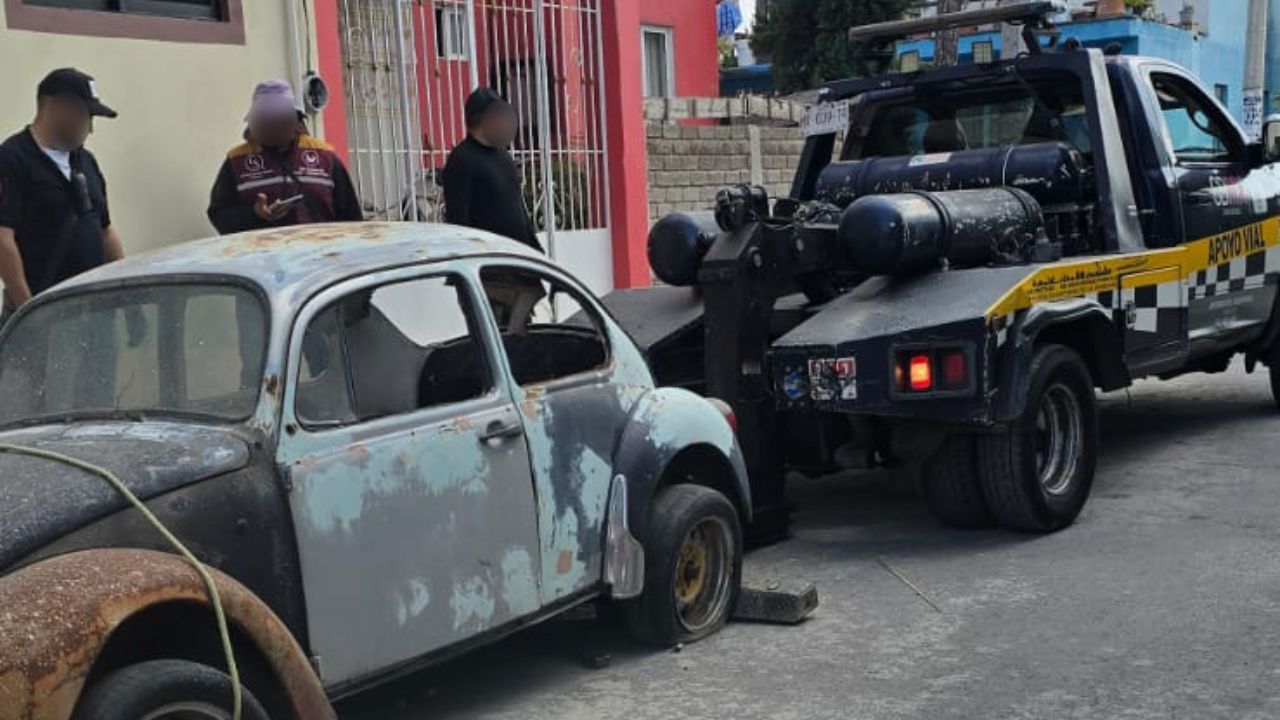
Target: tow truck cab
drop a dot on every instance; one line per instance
(990, 245)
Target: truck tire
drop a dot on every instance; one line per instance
(165, 690)
(693, 567)
(951, 487)
(1273, 369)
(1036, 475)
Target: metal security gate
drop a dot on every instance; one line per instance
(410, 65)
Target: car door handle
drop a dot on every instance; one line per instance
(501, 429)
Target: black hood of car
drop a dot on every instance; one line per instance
(42, 500)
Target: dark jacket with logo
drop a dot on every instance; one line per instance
(310, 167)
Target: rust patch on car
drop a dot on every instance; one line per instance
(272, 385)
(58, 614)
(565, 562)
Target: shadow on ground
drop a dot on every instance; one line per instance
(850, 517)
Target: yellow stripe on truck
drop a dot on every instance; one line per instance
(1073, 278)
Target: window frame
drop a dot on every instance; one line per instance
(1236, 152)
(227, 29)
(669, 47)
(477, 324)
(586, 300)
(461, 24)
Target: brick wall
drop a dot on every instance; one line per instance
(689, 163)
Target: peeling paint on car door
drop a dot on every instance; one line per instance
(573, 416)
(415, 531)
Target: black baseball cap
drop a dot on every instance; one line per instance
(480, 101)
(69, 81)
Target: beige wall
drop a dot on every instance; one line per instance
(181, 108)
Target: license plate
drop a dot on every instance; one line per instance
(825, 119)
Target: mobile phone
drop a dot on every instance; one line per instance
(289, 201)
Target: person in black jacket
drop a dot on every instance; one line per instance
(281, 175)
(481, 181)
(54, 219)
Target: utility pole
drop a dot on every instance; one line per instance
(1255, 68)
(946, 52)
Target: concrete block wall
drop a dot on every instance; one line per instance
(688, 164)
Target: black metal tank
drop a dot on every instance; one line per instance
(1053, 173)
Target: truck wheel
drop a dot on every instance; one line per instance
(165, 690)
(1036, 476)
(1273, 368)
(951, 488)
(693, 567)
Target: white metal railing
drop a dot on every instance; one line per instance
(407, 83)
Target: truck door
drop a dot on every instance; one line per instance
(1223, 199)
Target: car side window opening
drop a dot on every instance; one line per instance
(548, 330)
(1194, 128)
(390, 350)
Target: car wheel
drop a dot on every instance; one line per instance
(693, 567)
(165, 690)
(1036, 475)
(951, 488)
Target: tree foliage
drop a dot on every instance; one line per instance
(808, 39)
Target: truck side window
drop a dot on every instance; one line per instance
(548, 330)
(1194, 127)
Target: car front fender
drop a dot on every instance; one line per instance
(667, 424)
(57, 615)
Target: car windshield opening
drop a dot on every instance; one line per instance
(189, 349)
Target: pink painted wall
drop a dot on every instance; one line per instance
(697, 60)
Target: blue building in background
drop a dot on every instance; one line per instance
(1215, 55)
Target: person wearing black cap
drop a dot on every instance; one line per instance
(54, 221)
(481, 181)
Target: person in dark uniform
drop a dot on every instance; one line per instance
(54, 220)
(280, 175)
(481, 181)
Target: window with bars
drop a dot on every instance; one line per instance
(190, 9)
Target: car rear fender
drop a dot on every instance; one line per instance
(58, 615)
(671, 430)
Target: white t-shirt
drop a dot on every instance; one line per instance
(61, 158)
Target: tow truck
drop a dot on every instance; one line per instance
(961, 266)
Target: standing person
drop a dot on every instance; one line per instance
(481, 181)
(280, 175)
(54, 220)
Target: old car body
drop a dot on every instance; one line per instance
(369, 501)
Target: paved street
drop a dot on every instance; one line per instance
(1163, 601)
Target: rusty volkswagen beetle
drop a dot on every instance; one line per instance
(387, 443)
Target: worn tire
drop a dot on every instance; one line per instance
(141, 690)
(1057, 385)
(655, 617)
(951, 488)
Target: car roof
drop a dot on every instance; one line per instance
(292, 261)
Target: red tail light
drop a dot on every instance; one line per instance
(727, 411)
(955, 370)
(920, 373)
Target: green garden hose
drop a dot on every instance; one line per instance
(214, 598)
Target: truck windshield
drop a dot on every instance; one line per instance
(157, 349)
(941, 120)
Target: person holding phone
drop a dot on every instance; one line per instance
(54, 221)
(280, 175)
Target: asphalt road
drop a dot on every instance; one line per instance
(1163, 601)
